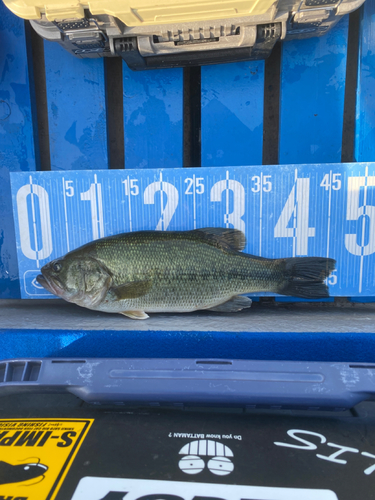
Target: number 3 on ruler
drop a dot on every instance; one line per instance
(238, 190)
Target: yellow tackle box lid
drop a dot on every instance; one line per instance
(142, 12)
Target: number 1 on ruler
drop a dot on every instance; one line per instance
(94, 196)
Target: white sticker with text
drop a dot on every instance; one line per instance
(99, 488)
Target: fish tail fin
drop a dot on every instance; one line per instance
(304, 277)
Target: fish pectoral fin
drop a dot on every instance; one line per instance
(98, 295)
(131, 290)
(135, 314)
(234, 304)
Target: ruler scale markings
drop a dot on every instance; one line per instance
(96, 204)
(372, 184)
(100, 210)
(130, 207)
(329, 217)
(87, 216)
(143, 211)
(260, 214)
(363, 231)
(347, 254)
(275, 204)
(182, 190)
(351, 209)
(295, 213)
(161, 202)
(364, 211)
(99, 207)
(96, 219)
(34, 222)
(227, 198)
(194, 203)
(66, 217)
(331, 210)
(349, 205)
(114, 189)
(118, 190)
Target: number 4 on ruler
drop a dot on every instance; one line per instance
(297, 206)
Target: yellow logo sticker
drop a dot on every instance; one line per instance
(36, 454)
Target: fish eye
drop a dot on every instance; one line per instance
(56, 267)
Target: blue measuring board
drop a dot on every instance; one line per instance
(17, 151)
(290, 210)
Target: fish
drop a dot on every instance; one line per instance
(178, 272)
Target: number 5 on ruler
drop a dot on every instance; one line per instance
(355, 211)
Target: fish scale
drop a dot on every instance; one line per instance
(183, 279)
(181, 271)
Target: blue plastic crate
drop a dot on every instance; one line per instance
(71, 126)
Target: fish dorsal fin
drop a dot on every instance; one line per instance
(131, 290)
(226, 238)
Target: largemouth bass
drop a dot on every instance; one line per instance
(177, 271)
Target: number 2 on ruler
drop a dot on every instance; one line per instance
(170, 207)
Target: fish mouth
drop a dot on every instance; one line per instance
(50, 284)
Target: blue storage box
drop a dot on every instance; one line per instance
(310, 105)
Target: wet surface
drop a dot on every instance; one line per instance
(340, 317)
